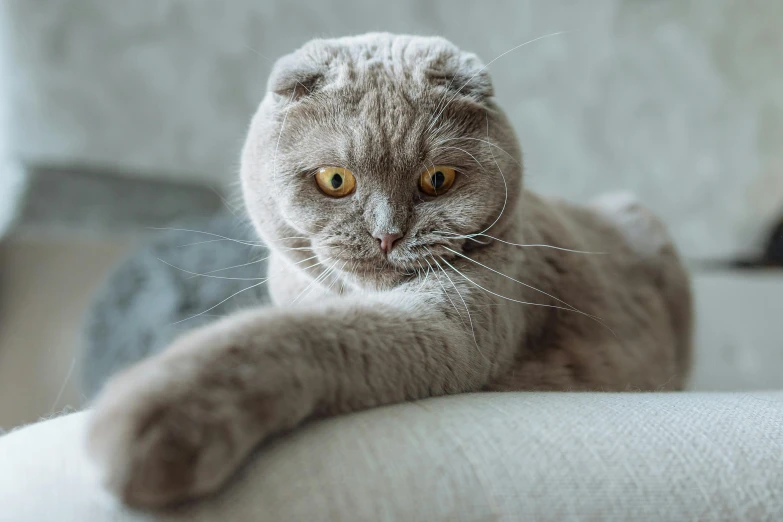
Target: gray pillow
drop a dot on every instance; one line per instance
(145, 302)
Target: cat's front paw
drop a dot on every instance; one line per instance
(167, 431)
(155, 442)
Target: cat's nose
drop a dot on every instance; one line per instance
(386, 241)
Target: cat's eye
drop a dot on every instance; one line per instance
(335, 181)
(437, 180)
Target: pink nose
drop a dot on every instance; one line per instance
(387, 241)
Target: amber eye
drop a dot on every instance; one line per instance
(335, 181)
(437, 180)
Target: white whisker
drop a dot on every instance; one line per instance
(463, 150)
(220, 303)
(212, 276)
(472, 330)
(247, 264)
(482, 141)
(515, 280)
(320, 277)
(532, 245)
(237, 266)
(335, 278)
(437, 278)
(231, 208)
(63, 386)
(282, 128)
(426, 276)
(594, 318)
(183, 245)
(505, 185)
(224, 238)
(484, 68)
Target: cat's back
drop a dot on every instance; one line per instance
(633, 280)
(639, 245)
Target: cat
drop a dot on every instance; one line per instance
(408, 261)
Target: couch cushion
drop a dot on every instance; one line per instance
(514, 456)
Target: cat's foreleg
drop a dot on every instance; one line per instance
(177, 425)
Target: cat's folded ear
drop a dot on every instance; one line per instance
(294, 77)
(463, 74)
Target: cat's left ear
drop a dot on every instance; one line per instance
(294, 77)
(464, 75)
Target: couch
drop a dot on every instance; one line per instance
(477, 457)
(681, 105)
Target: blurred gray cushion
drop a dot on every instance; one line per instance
(146, 302)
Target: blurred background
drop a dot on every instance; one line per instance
(119, 118)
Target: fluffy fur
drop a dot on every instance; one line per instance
(457, 306)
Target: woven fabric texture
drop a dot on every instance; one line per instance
(479, 457)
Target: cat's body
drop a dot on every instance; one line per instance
(387, 294)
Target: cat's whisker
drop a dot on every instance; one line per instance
(342, 283)
(433, 121)
(293, 249)
(501, 149)
(183, 245)
(62, 387)
(282, 128)
(437, 278)
(336, 278)
(445, 94)
(540, 245)
(594, 318)
(313, 265)
(231, 208)
(289, 237)
(260, 54)
(249, 243)
(480, 242)
(236, 266)
(503, 177)
(212, 276)
(463, 150)
(467, 310)
(515, 280)
(454, 235)
(426, 276)
(498, 295)
(250, 263)
(222, 238)
(314, 281)
(220, 303)
(317, 280)
(329, 273)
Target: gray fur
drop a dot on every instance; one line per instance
(375, 330)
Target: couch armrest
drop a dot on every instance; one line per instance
(514, 456)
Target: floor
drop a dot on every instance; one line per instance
(46, 285)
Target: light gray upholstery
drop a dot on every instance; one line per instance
(479, 457)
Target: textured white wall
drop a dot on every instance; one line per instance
(12, 177)
(680, 102)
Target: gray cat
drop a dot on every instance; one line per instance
(408, 261)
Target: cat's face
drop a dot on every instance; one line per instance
(375, 152)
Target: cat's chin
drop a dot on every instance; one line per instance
(377, 276)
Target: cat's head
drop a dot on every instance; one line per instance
(375, 152)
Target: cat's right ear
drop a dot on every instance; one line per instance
(462, 74)
(293, 77)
